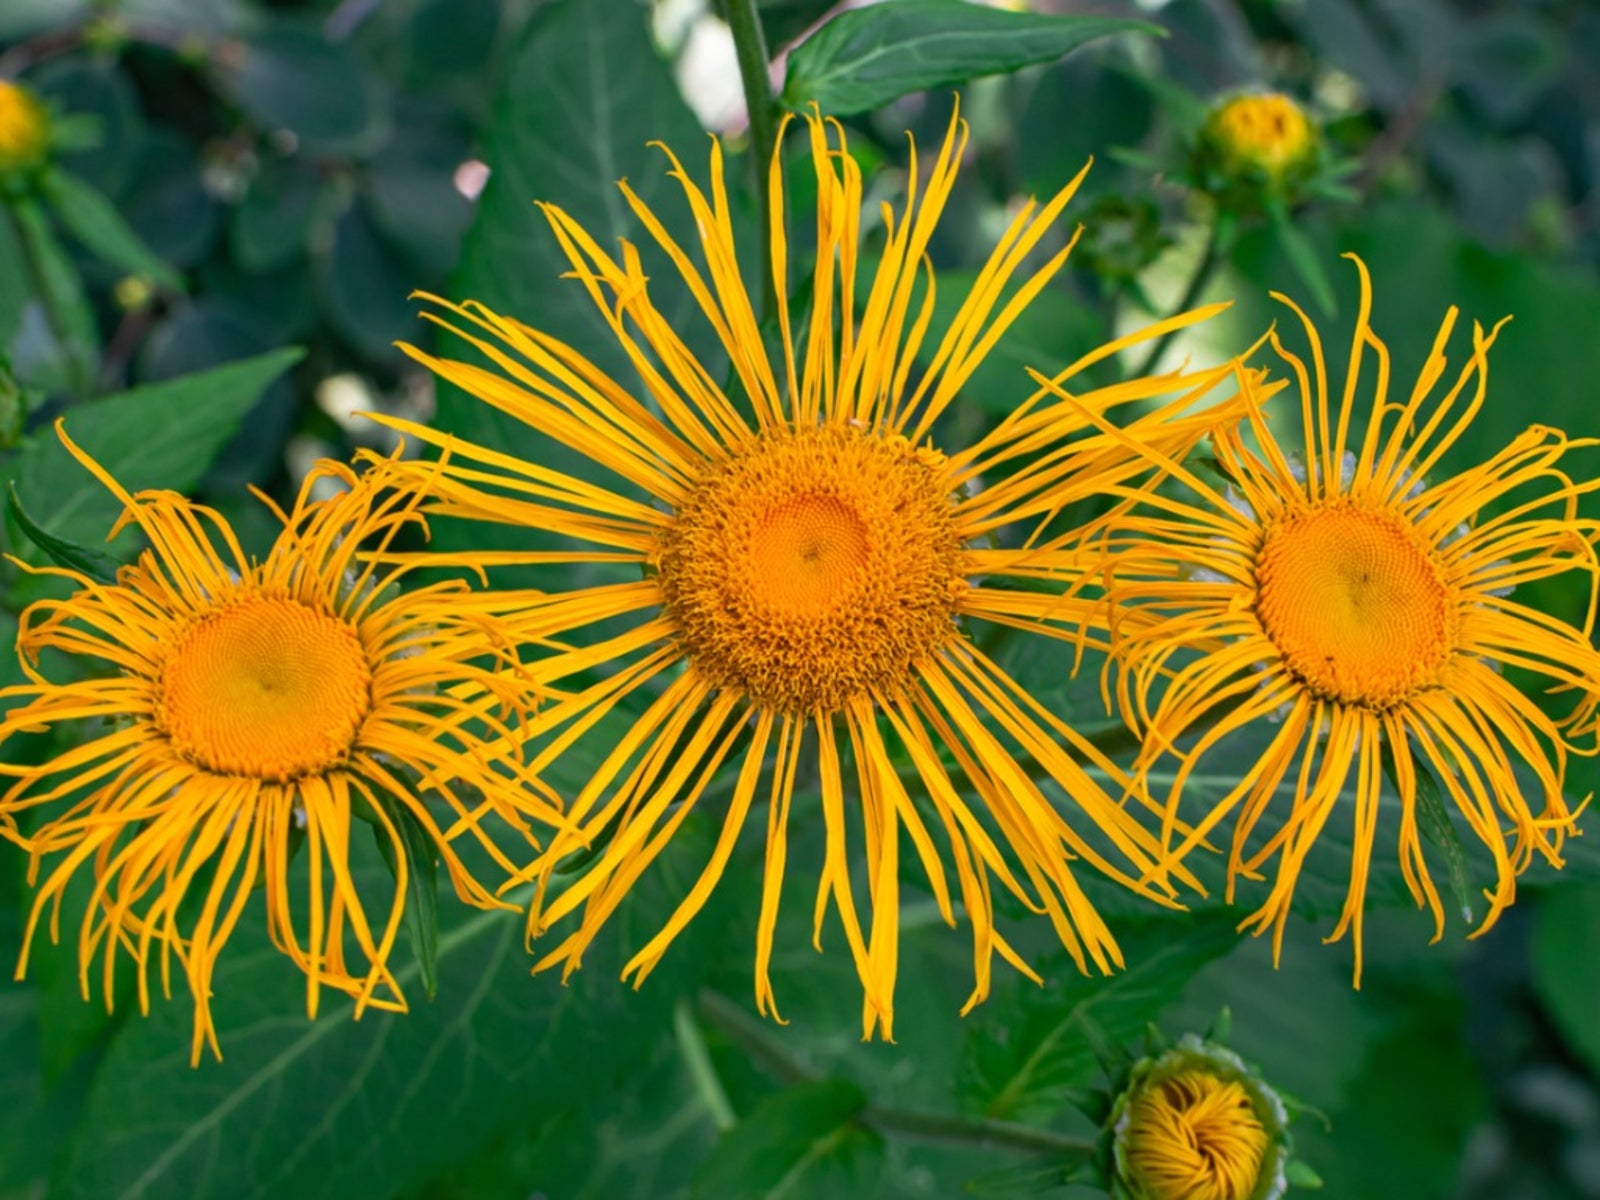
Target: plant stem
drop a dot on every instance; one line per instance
(937, 1127)
(697, 1058)
(1210, 259)
(744, 1031)
(750, 45)
(750, 1036)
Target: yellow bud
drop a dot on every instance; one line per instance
(132, 292)
(1197, 1124)
(1265, 133)
(24, 128)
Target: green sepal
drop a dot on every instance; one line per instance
(1221, 1030)
(422, 891)
(1155, 1042)
(96, 564)
(1300, 1175)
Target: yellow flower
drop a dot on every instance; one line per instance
(802, 559)
(1357, 617)
(1198, 1124)
(24, 128)
(239, 708)
(1263, 133)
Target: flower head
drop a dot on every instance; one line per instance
(1260, 150)
(810, 560)
(237, 708)
(1196, 1123)
(24, 128)
(1335, 602)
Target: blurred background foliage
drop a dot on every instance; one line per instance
(208, 279)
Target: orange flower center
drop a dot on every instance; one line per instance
(814, 566)
(1195, 1137)
(266, 688)
(1354, 602)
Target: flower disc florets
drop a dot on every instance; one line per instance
(1355, 603)
(813, 566)
(268, 688)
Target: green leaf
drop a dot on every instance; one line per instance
(803, 1141)
(20, 18)
(163, 436)
(1433, 818)
(213, 18)
(1422, 264)
(287, 77)
(364, 287)
(586, 95)
(1409, 1115)
(640, 1142)
(1306, 259)
(1566, 964)
(1032, 1178)
(422, 878)
(60, 291)
(272, 224)
(1023, 1063)
(334, 1108)
(866, 57)
(170, 208)
(37, 1113)
(451, 37)
(586, 92)
(95, 222)
(14, 290)
(96, 564)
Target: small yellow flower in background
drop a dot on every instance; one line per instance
(241, 707)
(1264, 134)
(24, 128)
(808, 559)
(1196, 1123)
(1339, 605)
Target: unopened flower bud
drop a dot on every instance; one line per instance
(24, 128)
(1196, 1123)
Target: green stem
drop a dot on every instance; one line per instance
(1210, 259)
(936, 1127)
(745, 1032)
(750, 45)
(697, 1058)
(751, 1036)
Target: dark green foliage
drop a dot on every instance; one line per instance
(865, 58)
(242, 198)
